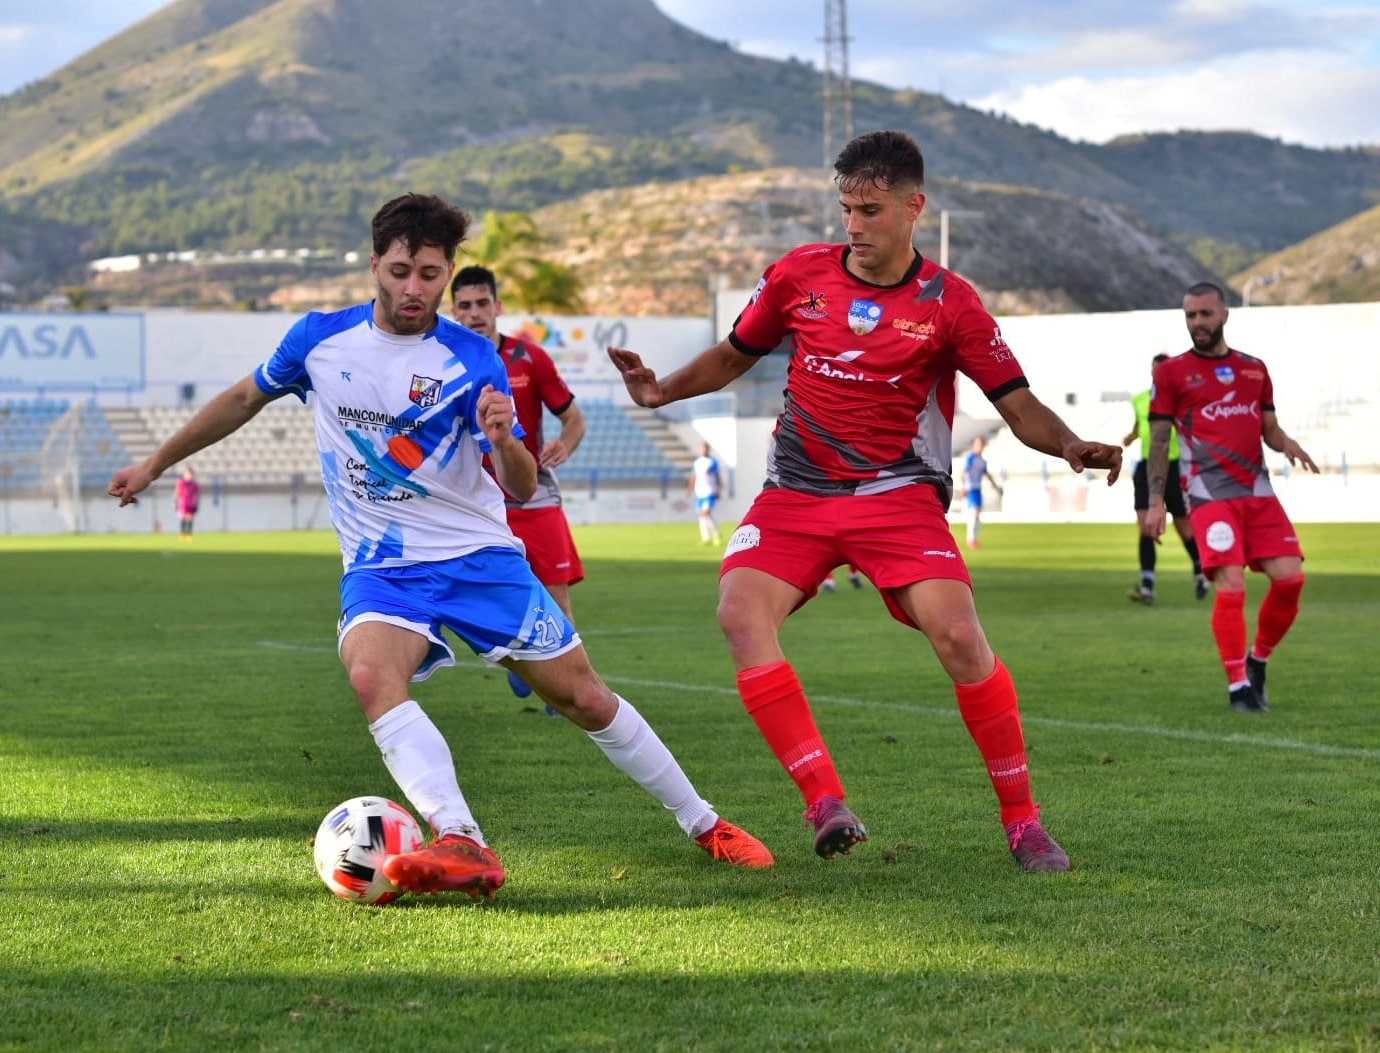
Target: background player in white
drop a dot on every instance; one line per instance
(859, 472)
(406, 404)
(705, 482)
(975, 470)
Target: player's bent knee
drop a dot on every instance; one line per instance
(961, 646)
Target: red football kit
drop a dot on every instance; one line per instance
(859, 469)
(872, 376)
(1217, 405)
(858, 472)
(539, 521)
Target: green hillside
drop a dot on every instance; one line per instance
(225, 124)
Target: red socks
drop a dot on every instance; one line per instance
(992, 714)
(1277, 613)
(777, 704)
(1229, 630)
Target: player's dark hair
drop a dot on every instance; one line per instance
(1161, 357)
(474, 275)
(889, 160)
(417, 220)
(1204, 288)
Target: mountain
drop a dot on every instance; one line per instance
(241, 124)
(1337, 265)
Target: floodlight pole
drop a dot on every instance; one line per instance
(944, 214)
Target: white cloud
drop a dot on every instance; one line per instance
(1294, 99)
(1300, 70)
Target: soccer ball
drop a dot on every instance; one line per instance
(353, 841)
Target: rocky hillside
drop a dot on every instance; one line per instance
(278, 126)
(662, 249)
(1339, 265)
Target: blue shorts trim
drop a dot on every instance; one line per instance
(490, 599)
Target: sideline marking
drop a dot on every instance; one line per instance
(950, 712)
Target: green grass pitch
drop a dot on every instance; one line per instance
(176, 723)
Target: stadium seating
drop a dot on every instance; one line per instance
(615, 449)
(274, 447)
(26, 426)
(280, 443)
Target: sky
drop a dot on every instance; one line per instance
(1302, 71)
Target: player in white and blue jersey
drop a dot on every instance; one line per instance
(406, 405)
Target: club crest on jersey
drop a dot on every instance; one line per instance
(812, 305)
(425, 391)
(863, 316)
(1225, 374)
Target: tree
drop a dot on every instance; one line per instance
(510, 245)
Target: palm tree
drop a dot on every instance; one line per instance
(510, 245)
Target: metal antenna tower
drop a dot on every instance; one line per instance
(838, 89)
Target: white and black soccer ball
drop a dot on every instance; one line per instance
(353, 841)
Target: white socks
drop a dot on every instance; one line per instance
(419, 760)
(635, 750)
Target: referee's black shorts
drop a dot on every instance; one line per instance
(1173, 495)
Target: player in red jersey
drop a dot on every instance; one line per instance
(858, 472)
(539, 522)
(1223, 404)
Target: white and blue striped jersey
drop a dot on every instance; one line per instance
(397, 429)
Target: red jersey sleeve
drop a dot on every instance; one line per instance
(1163, 393)
(763, 324)
(550, 386)
(980, 351)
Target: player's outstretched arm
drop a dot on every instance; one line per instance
(224, 414)
(1040, 428)
(1277, 440)
(710, 370)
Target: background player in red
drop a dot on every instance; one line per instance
(1223, 404)
(539, 522)
(859, 471)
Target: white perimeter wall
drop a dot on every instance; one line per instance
(1323, 359)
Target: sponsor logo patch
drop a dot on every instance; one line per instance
(745, 537)
(1221, 537)
(1001, 351)
(1227, 406)
(812, 305)
(914, 330)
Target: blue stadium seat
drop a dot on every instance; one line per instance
(614, 447)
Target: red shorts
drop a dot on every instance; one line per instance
(1243, 531)
(550, 548)
(895, 538)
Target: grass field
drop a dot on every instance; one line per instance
(177, 723)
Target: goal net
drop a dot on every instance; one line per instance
(59, 468)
